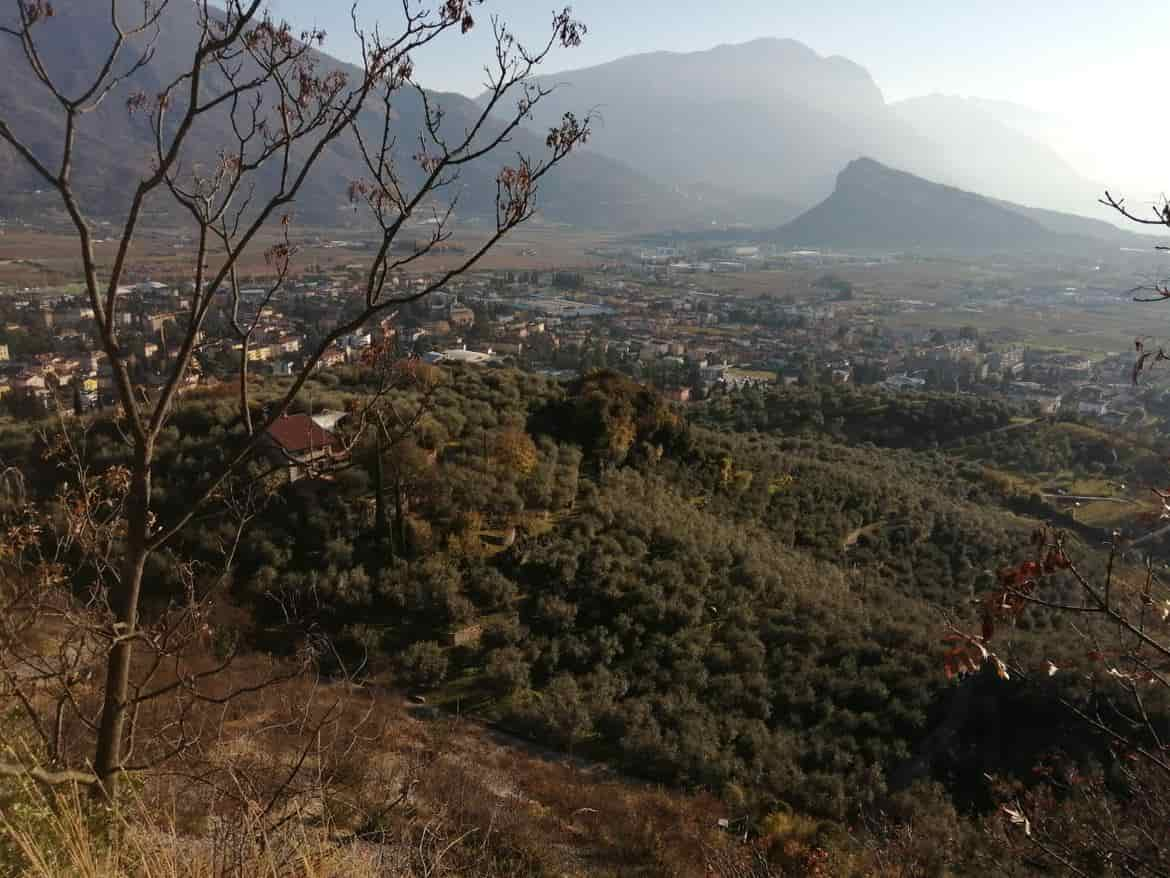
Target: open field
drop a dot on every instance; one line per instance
(1072, 328)
(928, 281)
(795, 282)
(39, 259)
(761, 375)
(957, 294)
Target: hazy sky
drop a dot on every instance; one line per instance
(1091, 63)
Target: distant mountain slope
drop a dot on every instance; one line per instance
(710, 205)
(113, 148)
(769, 117)
(1088, 227)
(875, 207)
(985, 150)
(773, 117)
(738, 135)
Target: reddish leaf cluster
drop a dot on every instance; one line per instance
(570, 133)
(516, 186)
(967, 653)
(35, 10)
(358, 190)
(459, 11)
(269, 36)
(375, 195)
(1018, 582)
(137, 102)
(280, 255)
(429, 163)
(405, 70)
(569, 32)
(962, 656)
(382, 354)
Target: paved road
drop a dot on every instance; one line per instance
(1087, 499)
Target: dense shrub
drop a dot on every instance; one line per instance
(423, 665)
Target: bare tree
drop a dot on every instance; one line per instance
(1158, 289)
(286, 108)
(1116, 676)
(1112, 819)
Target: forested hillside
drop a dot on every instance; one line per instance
(747, 598)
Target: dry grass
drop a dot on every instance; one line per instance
(376, 792)
(66, 836)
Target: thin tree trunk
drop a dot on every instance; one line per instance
(124, 603)
(399, 518)
(381, 519)
(245, 406)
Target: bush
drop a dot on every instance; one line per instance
(423, 665)
(507, 671)
(503, 632)
(491, 589)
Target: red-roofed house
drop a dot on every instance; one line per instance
(303, 445)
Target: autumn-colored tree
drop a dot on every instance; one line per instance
(285, 109)
(514, 449)
(609, 414)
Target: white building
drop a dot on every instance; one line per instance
(903, 383)
(463, 355)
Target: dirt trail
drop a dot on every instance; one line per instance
(853, 536)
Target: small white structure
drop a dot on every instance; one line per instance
(903, 383)
(463, 355)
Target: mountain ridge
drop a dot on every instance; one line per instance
(739, 134)
(113, 147)
(767, 117)
(877, 207)
(773, 116)
(986, 153)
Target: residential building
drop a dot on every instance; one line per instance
(303, 446)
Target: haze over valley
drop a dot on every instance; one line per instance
(670, 442)
(748, 134)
